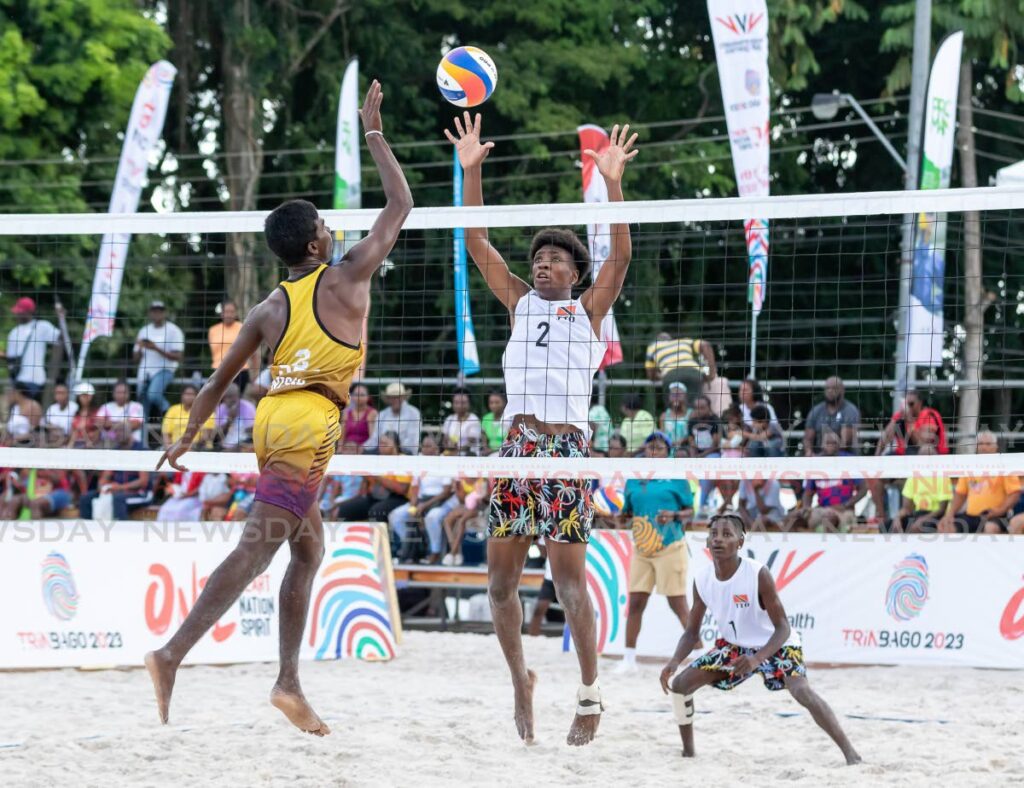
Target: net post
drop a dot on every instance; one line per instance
(753, 346)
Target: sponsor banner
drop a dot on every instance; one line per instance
(740, 32)
(599, 235)
(925, 324)
(465, 334)
(857, 598)
(145, 125)
(97, 594)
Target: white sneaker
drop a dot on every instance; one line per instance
(448, 560)
(459, 560)
(625, 668)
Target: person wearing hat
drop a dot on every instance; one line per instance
(656, 510)
(400, 417)
(27, 346)
(85, 428)
(158, 349)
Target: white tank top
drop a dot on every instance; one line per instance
(550, 362)
(734, 604)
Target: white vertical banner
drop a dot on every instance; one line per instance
(925, 323)
(740, 32)
(599, 235)
(145, 125)
(347, 174)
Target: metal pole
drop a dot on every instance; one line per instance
(753, 346)
(602, 388)
(875, 130)
(905, 372)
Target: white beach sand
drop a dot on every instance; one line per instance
(441, 715)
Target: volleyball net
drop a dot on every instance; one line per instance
(832, 307)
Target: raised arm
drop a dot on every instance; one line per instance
(611, 163)
(365, 257)
(508, 287)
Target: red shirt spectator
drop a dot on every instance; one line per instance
(913, 426)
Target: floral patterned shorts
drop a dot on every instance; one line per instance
(557, 509)
(787, 661)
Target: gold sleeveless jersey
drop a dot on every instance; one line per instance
(308, 356)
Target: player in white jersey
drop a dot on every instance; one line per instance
(549, 365)
(756, 638)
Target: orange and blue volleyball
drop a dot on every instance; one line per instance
(467, 76)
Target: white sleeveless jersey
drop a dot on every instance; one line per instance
(735, 606)
(550, 362)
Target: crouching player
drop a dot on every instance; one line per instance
(756, 638)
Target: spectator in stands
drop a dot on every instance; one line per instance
(491, 423)
(60, 415)
(234, 418)
(473, 498)
(460, 433)
(176, 419)
(924, 502)
(600, 427)
(28, 344)
(837, 498)
(637, 423)
(760, 504)
(341, 487)
(191, 491)
(129, 490)
(906, 432)
(834, 414)
(85, 426)
(989, 498)
(44, 493)
(680, 359)
(222, 336)
(381, 494)
(657, 510)
(705, 436)
(674, 418)
(359, 419)
(121, 418)
(616, 446)
(430, 500)
(399, 417)
(158, 349)
(764, 437)
(752, 395)
(23, 417)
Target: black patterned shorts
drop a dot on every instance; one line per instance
(557, 509)
(787, 661)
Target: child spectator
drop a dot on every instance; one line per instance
(674, 418)
(473, 496)
(491, 424)
(764, 436)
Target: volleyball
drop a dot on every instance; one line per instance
(608, 501)
(467, 76)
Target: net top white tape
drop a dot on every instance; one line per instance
(608, 470)
(634, 212)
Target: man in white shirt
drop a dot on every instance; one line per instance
(158, 349)
(461, 431)
(60, 414)
(400, 417)
(121, 416)
(28, 344)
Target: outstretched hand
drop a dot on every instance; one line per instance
(370, 113)
(471, 152)
(611, 162)
(172, 454)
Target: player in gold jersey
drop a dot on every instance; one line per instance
(313, 323)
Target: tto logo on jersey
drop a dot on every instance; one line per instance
(566, 313)
(741, 600)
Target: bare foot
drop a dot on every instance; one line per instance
(583, 730)
(298, 711)
(524, 708)
(852, 759)
(162, 672)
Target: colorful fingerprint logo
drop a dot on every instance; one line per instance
(59, 592)
(908, 588)
(351, 614)
(608, 557)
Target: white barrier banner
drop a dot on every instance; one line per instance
(877, 599)
(91, 594)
